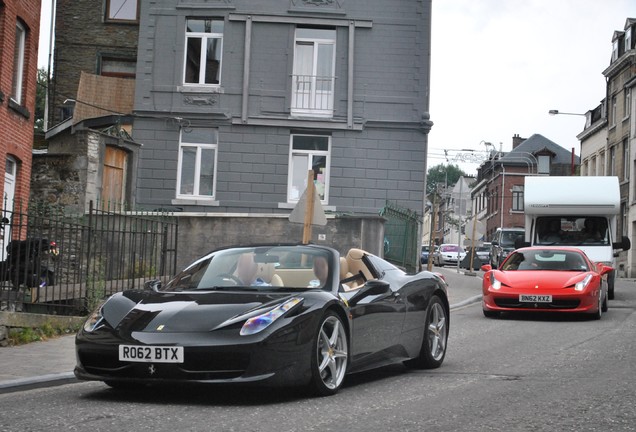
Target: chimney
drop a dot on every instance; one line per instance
(516, 140)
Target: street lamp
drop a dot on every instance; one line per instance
(555, 112)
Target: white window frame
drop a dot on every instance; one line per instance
(615, 50)
(627, 102)
(291, 196)
(612, 161)
(18, 63)
(204, 36)
(626, 159)
(628, 39)
(314, 94)
(613, 111)
(183, 143)
(120, 4)
(517, 198)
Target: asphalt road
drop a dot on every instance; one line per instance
(517, 373)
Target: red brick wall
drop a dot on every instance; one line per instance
(16, 120)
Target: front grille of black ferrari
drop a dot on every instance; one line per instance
(555, 304)
(196, 366)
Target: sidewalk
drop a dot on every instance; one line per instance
(51, 362)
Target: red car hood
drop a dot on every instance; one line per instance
(539, 279)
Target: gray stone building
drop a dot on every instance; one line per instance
(236, 101)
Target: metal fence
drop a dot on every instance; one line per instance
(59, 263)
(401, 230)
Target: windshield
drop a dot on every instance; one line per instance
(546, 259)
(508, 238)
(572, 231)
(257, 268)
(451, 248)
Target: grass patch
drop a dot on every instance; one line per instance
(21, 336)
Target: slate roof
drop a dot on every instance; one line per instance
(535, 144)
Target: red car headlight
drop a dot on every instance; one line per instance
(581, 285)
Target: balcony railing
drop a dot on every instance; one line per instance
(312, 95)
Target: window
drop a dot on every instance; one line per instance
(517, 198)
(612, 161)
(628, 39)
(122, 10)
(615, 50)
(601, 168)
(613, 112)
(196, 176)
(308, 152)
(18, 63)
(628, 102)
(592, 170)
(625, 159)
(204, 46)
(544, 164)
(313, 76)
(117, 67)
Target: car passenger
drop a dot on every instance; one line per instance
(246, 269)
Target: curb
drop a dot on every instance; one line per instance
(466, 302)
(41, 381)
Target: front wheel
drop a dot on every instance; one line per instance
(611, 278)
(330, 355)
(433, 349)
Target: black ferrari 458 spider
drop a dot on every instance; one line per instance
(274, 315)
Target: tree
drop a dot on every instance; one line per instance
(40, 99)
(438, 175)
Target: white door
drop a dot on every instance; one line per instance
(7, 205)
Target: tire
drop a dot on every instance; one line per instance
(491, 314)
(599, 312)
(611, 278)
(435, 338)
(604, 307)
(330, 355)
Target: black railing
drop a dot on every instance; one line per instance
(59, 263)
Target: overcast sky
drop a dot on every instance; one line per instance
(499, 66)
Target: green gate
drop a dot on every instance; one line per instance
(401, 231)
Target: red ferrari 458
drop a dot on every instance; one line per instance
(546, 279)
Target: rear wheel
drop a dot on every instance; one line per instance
(433, 348)
(611, 278)
(330, 355)
(599, 310)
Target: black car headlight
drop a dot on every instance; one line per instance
(95, 320)
(261, 322)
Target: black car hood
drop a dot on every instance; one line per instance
(149, 311)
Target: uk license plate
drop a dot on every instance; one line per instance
(151, 354)
(533, 298)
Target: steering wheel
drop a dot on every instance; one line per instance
(230, 276)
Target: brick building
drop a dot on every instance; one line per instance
(19, 34)
(498, 192)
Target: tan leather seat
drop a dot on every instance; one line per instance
(356, 265)
(345, 273)
(266, 271)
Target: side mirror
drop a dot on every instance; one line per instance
(625, 244)
(486, 268)
(371, 288)
(604, 269)
(152, 285)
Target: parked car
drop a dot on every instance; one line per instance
(449, 254)
(480, 257)
(502, 243)
(268, 314)
(424, 255)
(546, 279)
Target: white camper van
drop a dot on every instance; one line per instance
(575, 211)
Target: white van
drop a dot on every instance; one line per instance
(575, 211)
